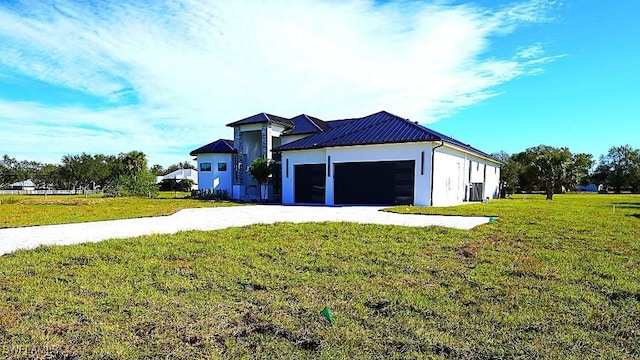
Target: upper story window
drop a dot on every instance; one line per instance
(222, 166)
(205, 166)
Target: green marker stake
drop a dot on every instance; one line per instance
(327, 314)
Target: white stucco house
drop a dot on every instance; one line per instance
(379, 159)
(26, 185)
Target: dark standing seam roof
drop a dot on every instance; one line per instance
(220, 146)
(305, 124)
(378, 128)
(261, 118)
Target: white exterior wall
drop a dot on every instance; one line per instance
(492, 183)
(488, 173)
(449, 177)
(214, 179)
(364, 153)
(250, 127)
(276, 130)
(477, 170)
(455, 169)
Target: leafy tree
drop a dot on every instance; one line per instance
(12, 170)
(620, 168)
(86, 171)
(550, 167)
(48, 177)
(509, 172)
(157, 170)
(5, 171)
(582, 165)
(527, 174)
(261, 170)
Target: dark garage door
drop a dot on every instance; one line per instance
(309, 183)
(374, 183)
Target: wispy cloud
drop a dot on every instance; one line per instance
(171, 74)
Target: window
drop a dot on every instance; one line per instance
(205, 166)
(222, 166)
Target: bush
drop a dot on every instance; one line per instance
(176, 185)
(208, 194)
(9, 200)
(142, 185)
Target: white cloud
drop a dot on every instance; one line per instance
(195, 66)
(530, 52)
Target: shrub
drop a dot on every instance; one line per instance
(9, 200)
(142, 185)
(208, 194)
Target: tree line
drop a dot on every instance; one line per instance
(118, 175)
(540, 168)
(553, 170)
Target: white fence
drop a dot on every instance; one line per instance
(48, 192)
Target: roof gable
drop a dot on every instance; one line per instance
(305, 124)
(220, 146)
(261, 118)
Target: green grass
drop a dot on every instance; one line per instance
(24, 210)
(549, 279)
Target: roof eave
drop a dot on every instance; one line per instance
(473, 151)
(356, 144)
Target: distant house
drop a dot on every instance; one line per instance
(379, 159)
(26, 185)
(180, 175)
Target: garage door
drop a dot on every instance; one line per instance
(309, 183)
(374, 183)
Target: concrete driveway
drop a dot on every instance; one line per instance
(213, 219)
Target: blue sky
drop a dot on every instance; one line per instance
(110, 77)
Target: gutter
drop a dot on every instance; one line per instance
(433, 156)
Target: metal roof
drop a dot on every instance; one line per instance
(378, 128)
(24, 183)
(305, 124)
(220, 146)
(261, 118)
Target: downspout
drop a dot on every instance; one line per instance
(433, 156)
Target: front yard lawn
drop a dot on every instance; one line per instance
(549, 279)
(22, 210)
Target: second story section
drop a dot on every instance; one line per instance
(256, 136)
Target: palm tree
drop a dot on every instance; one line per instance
(134, 163)
(261, 169)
